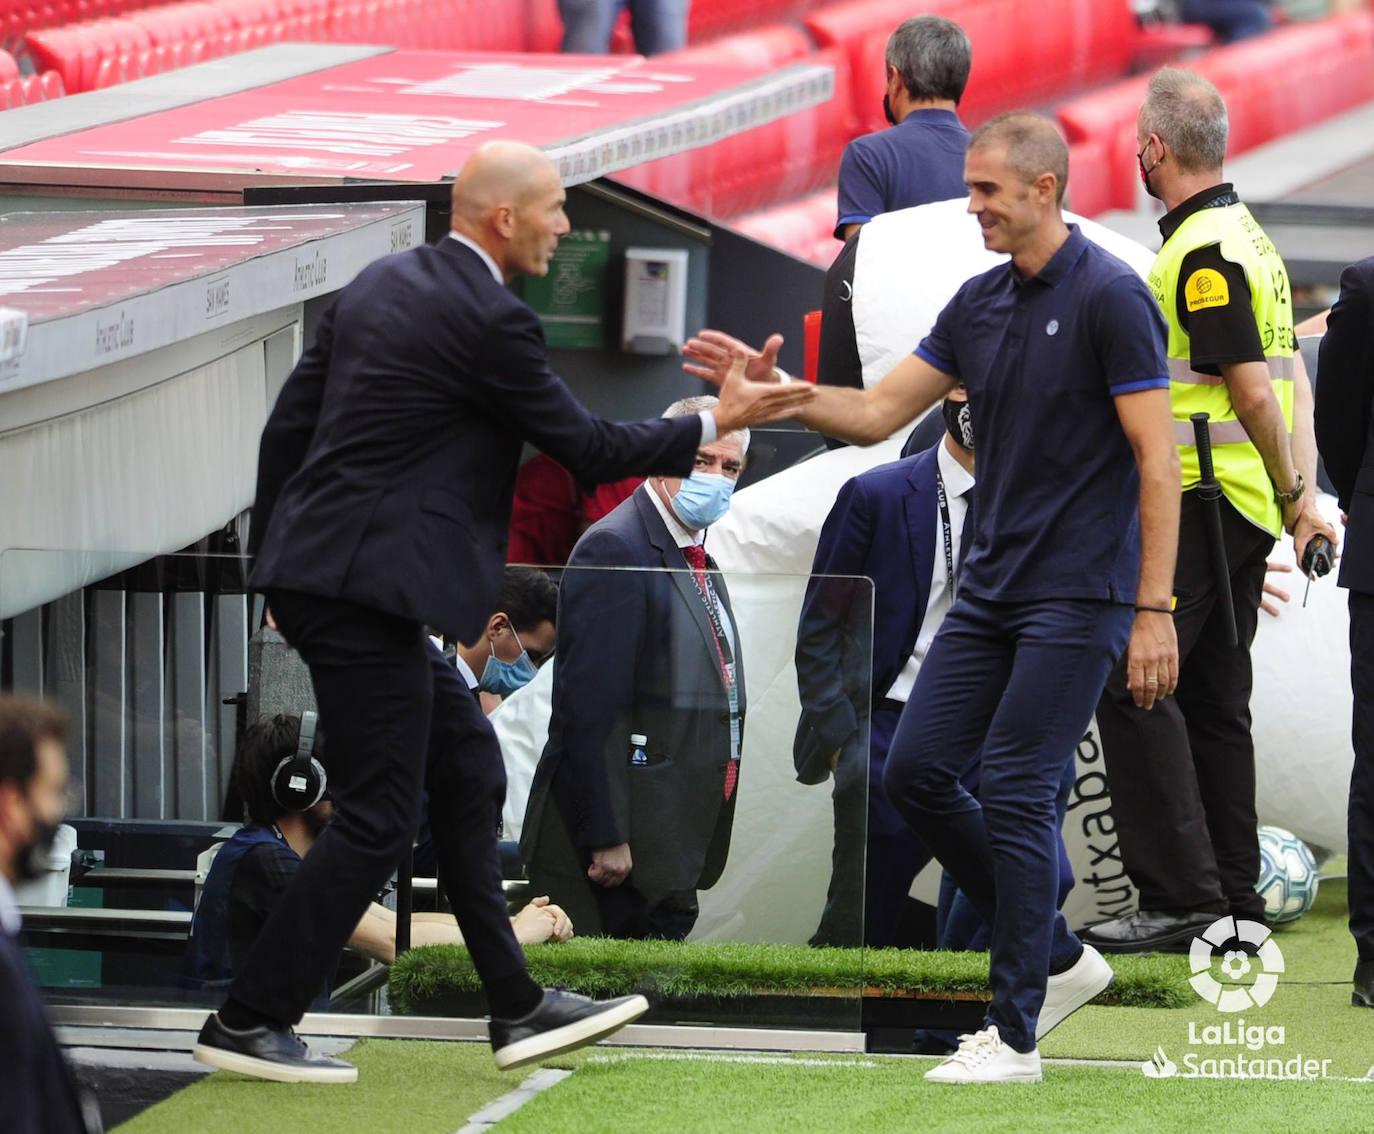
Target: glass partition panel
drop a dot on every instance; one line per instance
(156, 661)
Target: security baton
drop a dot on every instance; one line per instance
(404, 900)
(1209, 492)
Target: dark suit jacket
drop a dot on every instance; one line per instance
(635, 653)
(882, 526)
(1344, 393)
(388, 463)
(38, 1094)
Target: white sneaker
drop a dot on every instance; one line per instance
(1067, 992)
(984, 1058)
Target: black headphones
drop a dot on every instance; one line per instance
(299, 781)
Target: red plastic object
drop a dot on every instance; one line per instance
(811, 346)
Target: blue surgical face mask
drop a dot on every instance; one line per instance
(703, 499)
(504, 677)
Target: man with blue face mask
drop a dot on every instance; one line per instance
(516, 639)
(505, 657)
(633, 801)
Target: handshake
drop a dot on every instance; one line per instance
(750, 392)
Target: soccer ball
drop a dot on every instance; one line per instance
(1288, 875)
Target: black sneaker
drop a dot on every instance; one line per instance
(562, 1021)
(268, 1053)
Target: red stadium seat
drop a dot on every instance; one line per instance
(1159, 44)
(50, 83)
(543, 26)
(763, 47)
(708, 19)
(9, 69)
(1091, 179)
(802, 228)
(57, 49)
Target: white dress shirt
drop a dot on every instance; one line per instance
(958, 483)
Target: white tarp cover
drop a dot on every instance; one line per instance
(140, 475)
(774, 885)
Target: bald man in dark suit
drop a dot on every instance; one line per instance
(385, 480)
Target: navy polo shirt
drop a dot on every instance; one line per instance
(1042, 358)
(918, 161)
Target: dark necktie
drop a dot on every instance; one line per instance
(695, 555)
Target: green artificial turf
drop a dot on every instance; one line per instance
(404, 1086)
(422, 980)
(635, 1092)
(1311, 1003)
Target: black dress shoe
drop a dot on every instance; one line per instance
(1149, 931)
(1362, 995)
(268, 1053)
(562, 1021)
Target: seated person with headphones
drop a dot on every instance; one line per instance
(284, 791)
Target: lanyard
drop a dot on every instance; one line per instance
(950, 580)
(725, 656)
(708, 598)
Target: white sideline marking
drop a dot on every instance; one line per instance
(710, 1057)
(512, 1101)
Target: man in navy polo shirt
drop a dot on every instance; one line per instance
(1072, 561)
(920, 157)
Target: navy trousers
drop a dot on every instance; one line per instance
(1019, 680)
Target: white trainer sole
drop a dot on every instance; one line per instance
(266, 1069)
(964, 1079)
(577, 1034)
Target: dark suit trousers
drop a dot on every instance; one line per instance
(560, 871)
(1361, 808)
(868, 891)
(391, 711)
(1182, 775)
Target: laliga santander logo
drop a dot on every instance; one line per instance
(1236, 964)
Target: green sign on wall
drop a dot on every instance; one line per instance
(571, 299)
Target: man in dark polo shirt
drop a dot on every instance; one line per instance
(920, 157)
(1071, 561)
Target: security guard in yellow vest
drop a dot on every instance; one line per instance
(1182, 777)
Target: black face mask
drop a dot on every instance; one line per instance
(959, 421)
(887, 110)
(33, 859)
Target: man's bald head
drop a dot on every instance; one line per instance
(509, 198)
(500, 173)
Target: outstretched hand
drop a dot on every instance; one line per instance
(744, 402)
(712, 351)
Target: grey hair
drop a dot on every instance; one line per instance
(1188, 113)
(698, 402)
(1034, 146)
(933, 56)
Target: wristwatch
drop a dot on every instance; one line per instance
(1293, 495)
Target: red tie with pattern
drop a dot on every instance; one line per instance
(695, 555)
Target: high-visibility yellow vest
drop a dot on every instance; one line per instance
(1239, 466)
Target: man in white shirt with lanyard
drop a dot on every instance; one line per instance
(902, 526)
